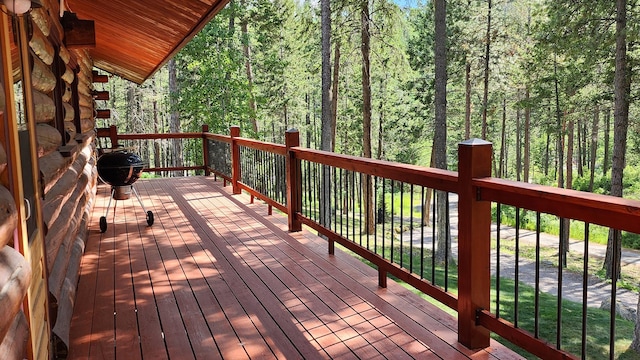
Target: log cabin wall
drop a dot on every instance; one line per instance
(64, 111)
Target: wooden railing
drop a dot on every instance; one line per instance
(476, 190)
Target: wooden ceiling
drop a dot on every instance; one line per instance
(136, 38)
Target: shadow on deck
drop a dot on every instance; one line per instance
(215, 277)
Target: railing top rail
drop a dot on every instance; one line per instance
(217, 137)
(160, 136)
(610, 211)
(261, 145)
(411, 174)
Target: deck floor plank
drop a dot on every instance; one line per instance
(216, 278)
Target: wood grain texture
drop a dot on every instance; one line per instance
(15, 274)
(8, 216)
(219, 280)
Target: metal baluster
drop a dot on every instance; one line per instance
(498, 278)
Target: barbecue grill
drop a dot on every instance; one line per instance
(121, 169)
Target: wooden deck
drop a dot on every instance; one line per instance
(215, 277)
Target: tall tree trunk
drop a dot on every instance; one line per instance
(443, 250)
(485, 97)
(580, 150)
(559, 128)
(383, 94)
(594, 146)
(527, 136)
(366, 112)
(518, 143)
(426, 207)
(326, 141)
(566, 222)
(334, 94)
(546, 153)
(622, 90)
(607, 135)
(174, 119)
(156, 144)
(246, 51)
(467, 99)
(503, 139)
(226, 98)
(307, 117)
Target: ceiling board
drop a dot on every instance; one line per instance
(135, 38)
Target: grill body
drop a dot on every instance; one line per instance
(121, 169)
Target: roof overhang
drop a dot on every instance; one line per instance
(136, 38)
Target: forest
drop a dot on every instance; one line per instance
(533, 77)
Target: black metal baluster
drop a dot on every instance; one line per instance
(401, 223)
(411, 230)
(559, 308)
(392, 221)
(447, 245)
(384, 214)
(433, 238)
(585, 283)
(536, 300)
(516, 286)
(422, 206)
(498, 279)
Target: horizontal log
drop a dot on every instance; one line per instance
(70, 131)
(14, 344)
(69, 112)
(64, 54)
(44, 108)
(58, 267)
(3, 159)
(15, 274)
(64, 227)
(66, 97)
(103, 113)
(52, 167)
(42, 77)
(101, 95)
(84, 86)
(85, 100)
(41, 46)
(98, 78)
(8, 216)
(40, 17)
(68, 75)
(86, 112)
(48, 139)
(62, 190)
(87, 125)
(85, 62)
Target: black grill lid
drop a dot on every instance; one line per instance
(120, 168)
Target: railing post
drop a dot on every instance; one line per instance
(235, 160)
(113, 136)
(294, 189)
(205, 150)
(474, 243)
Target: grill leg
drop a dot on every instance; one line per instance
(138, 197)
(148, 213)
(113, 191)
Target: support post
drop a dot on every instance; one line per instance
(235, 160)
(294, 175)
(474, 242)
(205, 150)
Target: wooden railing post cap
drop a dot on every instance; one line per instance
(474, 142)
(292, 130)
